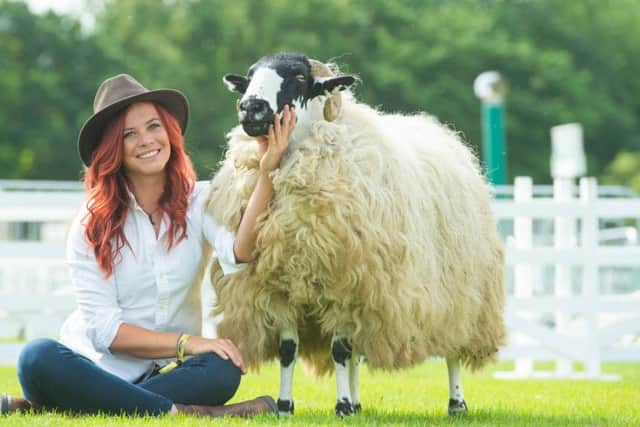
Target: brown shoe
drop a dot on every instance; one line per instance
(11, 404)
(260, 405)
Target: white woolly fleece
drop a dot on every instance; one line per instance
(380, 226)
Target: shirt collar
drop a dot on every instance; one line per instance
(132, 199)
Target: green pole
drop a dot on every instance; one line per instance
(491, 88)
(493, 142)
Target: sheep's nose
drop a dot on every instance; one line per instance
(254, 107)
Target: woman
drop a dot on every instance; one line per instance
(136, 259)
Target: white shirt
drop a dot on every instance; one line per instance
(150, 287)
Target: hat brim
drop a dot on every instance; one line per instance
(174, 101)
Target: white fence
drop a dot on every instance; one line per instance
(572, 295)
(34, 286)
(583, 317)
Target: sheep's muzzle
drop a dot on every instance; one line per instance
(255, 116)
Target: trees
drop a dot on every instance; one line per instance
(624, 170)
(564, 61)
(44, 62)
(595, 43)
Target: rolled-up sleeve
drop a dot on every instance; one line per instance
(96, 295)
(222, 241)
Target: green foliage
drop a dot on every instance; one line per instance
(625, 170)
(46, 95)
(586, 74)
(564, 61)
(414, 397)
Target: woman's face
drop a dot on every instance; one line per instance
(146, 142)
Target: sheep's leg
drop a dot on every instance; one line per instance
(457, 405)
(341, 353)
(288, 354)
(354, 381)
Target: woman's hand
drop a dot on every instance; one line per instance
(224, 348)
(273, 146)
(271, 149)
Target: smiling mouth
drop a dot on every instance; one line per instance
(256, 128)
(148, 154)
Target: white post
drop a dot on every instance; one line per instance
(564, 231)
(523, 285)
(567, 163)
(590, 271)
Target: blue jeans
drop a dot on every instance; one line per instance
(54, 376)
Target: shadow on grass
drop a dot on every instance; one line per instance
(474, 418)
(322, 418)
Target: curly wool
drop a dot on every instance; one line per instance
(380, 226)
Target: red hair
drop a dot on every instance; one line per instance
(106, 185)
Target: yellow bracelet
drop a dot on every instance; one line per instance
(180, 345)
(168, 368)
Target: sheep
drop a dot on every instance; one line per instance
(379, 243)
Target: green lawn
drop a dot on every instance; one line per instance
(415, 397)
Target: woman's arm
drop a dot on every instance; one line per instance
(272, 148)
(143, 343)
(108, 332)
(146, 344)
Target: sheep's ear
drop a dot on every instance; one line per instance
(323, 85)
(235, 83)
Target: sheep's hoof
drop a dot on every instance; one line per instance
(285, 407)
(357, 408)
(344, 408)
(457, 407)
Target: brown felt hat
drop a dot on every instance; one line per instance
(116, 94)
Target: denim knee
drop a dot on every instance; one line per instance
(223, 373)
(36, 355)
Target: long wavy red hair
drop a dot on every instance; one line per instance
(108, 199)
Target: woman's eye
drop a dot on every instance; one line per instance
(127, 134)
(300, 77)
(154, 125)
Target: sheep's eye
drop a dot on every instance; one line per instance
(300, 77)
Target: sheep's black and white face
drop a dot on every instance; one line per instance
(278, 80)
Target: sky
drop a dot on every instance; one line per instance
(59, 6)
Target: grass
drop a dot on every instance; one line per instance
(415, 397)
